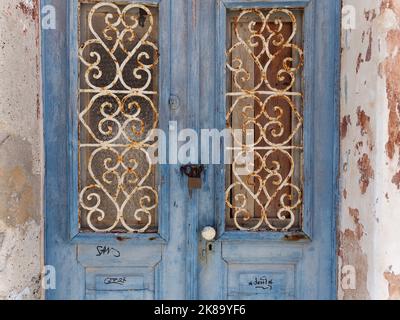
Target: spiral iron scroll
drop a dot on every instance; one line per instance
(118, 63)
(262, 101)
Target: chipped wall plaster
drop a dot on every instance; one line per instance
(370, 146)
(20, 151)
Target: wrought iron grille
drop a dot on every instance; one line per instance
(265, 98)
(118, 110)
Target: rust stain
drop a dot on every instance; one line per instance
(30, 9)
(359, 146)
(359, 230)
(359, 61)
(369, 50)
(366, 171)
(392, 72)
(38, 107)
(396, 180)
(393, 284)
(368, 54)
(370, 15)
(392, 5)
(295, 237)
(351, 254)
(346, 121)
(363, 121)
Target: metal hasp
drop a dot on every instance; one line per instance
(193, 172)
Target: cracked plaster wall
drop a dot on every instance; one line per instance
(20, 151)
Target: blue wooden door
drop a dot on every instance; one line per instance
(119, 226)
(115, 229)
(270, 66)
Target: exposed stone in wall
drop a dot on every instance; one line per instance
(20, 151)
(370, 147)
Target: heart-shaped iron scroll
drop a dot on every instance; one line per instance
(265, 97)
(118, 112)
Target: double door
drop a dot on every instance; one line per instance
(191, 149)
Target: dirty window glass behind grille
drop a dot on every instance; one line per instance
(118, 105)
(265, 96)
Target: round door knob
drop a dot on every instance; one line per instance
(208, 233)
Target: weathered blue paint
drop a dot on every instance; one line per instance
(192, 121)
(176, 263)
(58, 251)
(158, 259)
(314, 267)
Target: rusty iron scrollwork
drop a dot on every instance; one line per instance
(118, 62)
(261, 93)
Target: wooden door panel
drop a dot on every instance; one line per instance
(131, 283)
(275, 260)
(112, 250)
